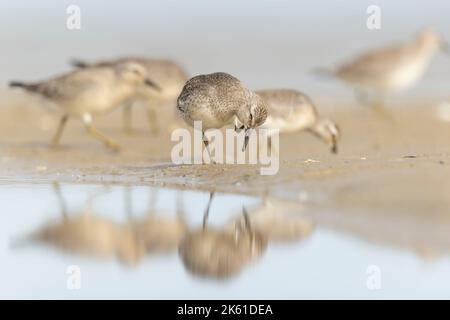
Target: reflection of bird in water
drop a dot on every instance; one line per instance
(157, 233)
(168, 75)
(291, 110)
(88, 92)
(278, 220)
(389, 69)
(89, 235)
(221, 253)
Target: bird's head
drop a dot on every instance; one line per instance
(252, 116)
(431, 39)
(135, 74)
(328, 131)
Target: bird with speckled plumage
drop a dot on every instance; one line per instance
(218, 99)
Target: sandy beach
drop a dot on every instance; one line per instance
(388, 158)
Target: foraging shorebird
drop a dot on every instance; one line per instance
(221, 253)
(88, 235)
(168, 75)
(291, 110)
(88, 92)
(217, 99)
(390, 69)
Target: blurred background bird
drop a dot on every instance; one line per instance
(89, 92)
(291, 111)
(167, 74)
(392, 69)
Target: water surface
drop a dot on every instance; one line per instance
(321, 263)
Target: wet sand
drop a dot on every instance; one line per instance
(388, 156)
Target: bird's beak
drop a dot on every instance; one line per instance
(152, 84)
(248, 132)
(334, 147)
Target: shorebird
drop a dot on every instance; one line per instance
(88, 92)
(217, 99)
(169, 76)
(87, 234)
(291, 110)
(221, 253)
(391, 69)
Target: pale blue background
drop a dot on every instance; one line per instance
(265, 43)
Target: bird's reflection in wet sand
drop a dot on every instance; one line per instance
(205, 252)
(88, 234)
(221, 253)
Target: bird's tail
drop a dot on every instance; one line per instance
(18, 84)
(27, 86)
(78, 63)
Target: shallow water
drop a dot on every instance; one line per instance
(316, 262)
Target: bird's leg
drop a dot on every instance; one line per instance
(152, 201)
(128, 203)
(206, 143)
(152, 120)
(87, 120)
(378, 102)
(379, 108)
(205, 140)
(206, 214)
(270, 152)
(248, 225)
(61, 202)
(57, 136)
(269, 145)
(180, 206)
(127, 117)
(362, 96)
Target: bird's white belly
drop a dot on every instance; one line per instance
(207, 119)
(406, 75)
(98, 102)
(92, 106)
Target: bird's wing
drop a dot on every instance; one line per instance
(374, 62)
(68, 86)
